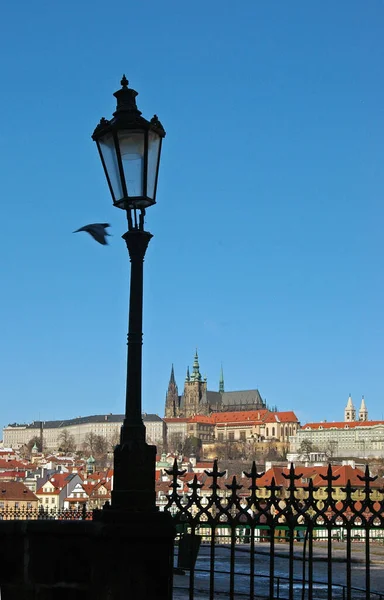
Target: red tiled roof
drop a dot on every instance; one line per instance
(88, 488)
(16, 490)
(242, 416)
(58, 480)
(14, 474)
(239, 417)
(202, 419)
(344, 473)
(342, 424)
(10, 465)
(282, 417)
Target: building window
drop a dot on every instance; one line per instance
(1, 505)
(17, 505)
(273, 432)
(242, 436)
(231, 436)
(52, 501)
(46, 500)
(220, 437)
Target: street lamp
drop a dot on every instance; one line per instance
(129, 147)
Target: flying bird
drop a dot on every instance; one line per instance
(97, 231)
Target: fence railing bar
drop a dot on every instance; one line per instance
(192, 563)
(232, 565)
(310, 562)
(367, 565)
(252, 566)
(271, 561)
(291, 532)
(349, 564)
(329, 553)
(212, 559)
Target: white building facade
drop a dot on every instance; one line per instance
(17, 435)
(349, 438)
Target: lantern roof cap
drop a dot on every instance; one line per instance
(127, 115)
(126, 98)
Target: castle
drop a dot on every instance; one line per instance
(197, 400)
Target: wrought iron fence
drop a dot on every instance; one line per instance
(267, 542)
(239, 540)
(46, 514)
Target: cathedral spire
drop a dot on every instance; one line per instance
(187, 378)
(349, 411)
(363, 412)
(196, 375)
(172, 377)
(172, 403)
(221, 381)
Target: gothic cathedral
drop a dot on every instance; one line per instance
(197, 400)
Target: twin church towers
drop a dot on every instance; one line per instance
(350, 411)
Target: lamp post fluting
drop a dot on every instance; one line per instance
(129, 147)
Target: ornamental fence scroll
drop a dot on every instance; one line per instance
(242, 518)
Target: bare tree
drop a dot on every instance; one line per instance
(97, 446)
(192, 445)
(89, 443)
(26, 449)
(175, 442)
(331, 449)
(229, 450)
(66, 441)
(114, 440)
(306, 447)
(272, 452)
(100, 446)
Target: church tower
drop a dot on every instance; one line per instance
(363, 412)
(350, 411)
(221, 381)
(194, 390)
(172, 397)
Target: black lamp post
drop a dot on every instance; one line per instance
(129, 148)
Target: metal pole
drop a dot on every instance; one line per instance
(134, 459)
(133, 427)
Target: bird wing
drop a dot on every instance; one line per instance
(98, 236)
(97, 231)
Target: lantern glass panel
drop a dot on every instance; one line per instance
(153, 161)
(131, 145)
(108, 150)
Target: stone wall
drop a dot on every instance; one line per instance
(73, 560)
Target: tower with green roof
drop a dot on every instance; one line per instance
(221, 381)
(194, 390)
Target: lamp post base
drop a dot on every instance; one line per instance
(134, 477)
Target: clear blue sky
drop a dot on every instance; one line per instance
(268, 248)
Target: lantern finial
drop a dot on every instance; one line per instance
(124, 82)
(126, 99)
